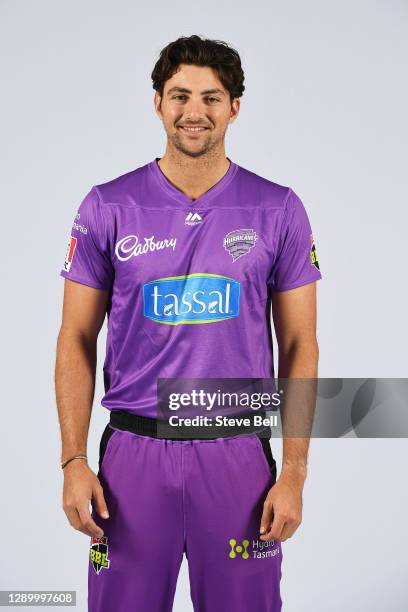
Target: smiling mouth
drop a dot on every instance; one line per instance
(192, 129)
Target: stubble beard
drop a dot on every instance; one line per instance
(210, 146)
(179, 145)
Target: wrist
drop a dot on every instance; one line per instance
(75, 457)
(297, 471)
(71, 451)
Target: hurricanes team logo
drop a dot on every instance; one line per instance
(313, 253)
(99, 553)
(239, 242)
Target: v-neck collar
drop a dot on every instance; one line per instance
(181, 197)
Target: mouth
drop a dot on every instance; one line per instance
(192, 130)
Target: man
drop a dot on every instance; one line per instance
(152, 249)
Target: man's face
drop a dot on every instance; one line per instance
(195, 110)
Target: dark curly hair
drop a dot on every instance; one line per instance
(200, 52)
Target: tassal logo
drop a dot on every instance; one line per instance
(193, 298)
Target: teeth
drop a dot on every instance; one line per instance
(193, 129)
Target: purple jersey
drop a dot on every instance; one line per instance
(189, 281)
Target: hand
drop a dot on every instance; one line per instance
(80, 486)
(282, 510)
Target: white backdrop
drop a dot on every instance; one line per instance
(324, 112)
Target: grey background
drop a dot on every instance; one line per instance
(324, 112)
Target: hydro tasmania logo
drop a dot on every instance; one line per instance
(99, 553)
(259, 549)
(193, 219)
(193, 298)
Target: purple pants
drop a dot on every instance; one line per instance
(165, 498)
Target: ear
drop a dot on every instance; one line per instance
(235, 107)
(157, 104)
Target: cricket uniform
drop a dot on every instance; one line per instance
(190, 284)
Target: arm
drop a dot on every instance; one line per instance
(84, 311)
(294, 315)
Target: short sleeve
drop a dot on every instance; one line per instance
(296, 261)
(87, 259)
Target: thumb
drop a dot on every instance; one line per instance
(100, 503)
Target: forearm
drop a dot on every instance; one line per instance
(298, 361)
(75, 386)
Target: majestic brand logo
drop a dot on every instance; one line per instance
(99, 553)
(239, 242)
(70, 253)
(193, 219)
(194, 298)
(313, 253)
(129, 246)
(259, 550)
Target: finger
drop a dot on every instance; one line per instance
(87, 522)
(275, 531)
(87, 532)
(100, 503)
(289, 529)
(266, 519)
(75, 521)
(73, 517)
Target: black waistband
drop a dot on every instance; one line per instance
(145, 426)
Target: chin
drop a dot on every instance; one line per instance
(190, 153)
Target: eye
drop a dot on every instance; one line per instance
(212, 99)
(179, 97)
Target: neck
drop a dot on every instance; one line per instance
(193, 175)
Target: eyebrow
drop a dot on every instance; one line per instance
(185, 90)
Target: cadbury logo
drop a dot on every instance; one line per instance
(129, 246)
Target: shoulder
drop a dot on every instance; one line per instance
(124, 189)
(266, 192)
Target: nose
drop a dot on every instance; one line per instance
(194, 110)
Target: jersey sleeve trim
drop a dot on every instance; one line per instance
(83, 281)
(296, 284)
